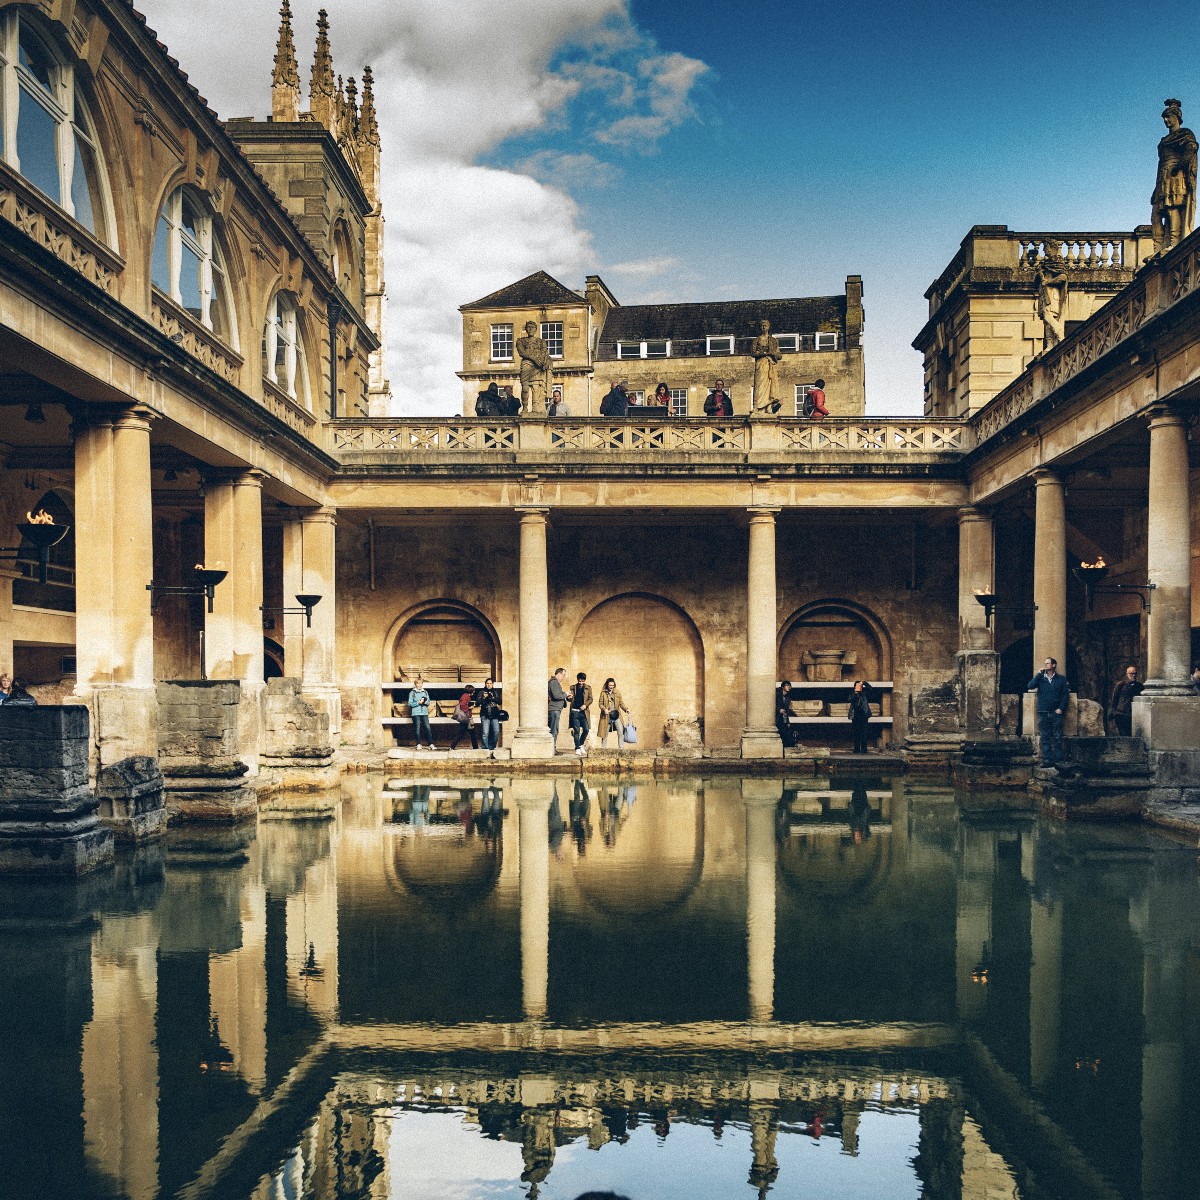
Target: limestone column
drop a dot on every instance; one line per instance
(1050, 571)
(978, 663)
(760, 738)
(761, 798)
(1167, 714)
(233, 636)
(533, 798)
(532, 739)
(309, 568)
(114, 561)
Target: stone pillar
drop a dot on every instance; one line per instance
(533, 798)
(532, 738)
(761, 798)
(233, 635)
(1167, 713)
(1050, 571)
(978, 663)
(760, 738)
(114, 561)
(309, 568)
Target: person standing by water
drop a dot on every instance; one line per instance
(556, 700)
(581, 713)
(1053, 695)
(860, 714)
(5, 686)
(1121, 706)
(783, 714)
(462, 714)
(611, 707)
(418, 703)
(488, 700)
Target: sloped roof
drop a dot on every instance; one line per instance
(533, 291)
(691, 322)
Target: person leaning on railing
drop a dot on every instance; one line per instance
(719, 402)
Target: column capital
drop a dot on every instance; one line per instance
(760, 514)
(1044, 477)
(1164, 414)
(137, 416)
(532, 514)
(970, 512)
(325, 515)
(251, 478)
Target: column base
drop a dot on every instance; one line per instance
(533, 743)
(328, 698)
(131, 799)
(124, 723)
(1168, 717)
(759, 743)
(979, 697)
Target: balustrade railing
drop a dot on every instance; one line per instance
(466, 436)
(1078, 251)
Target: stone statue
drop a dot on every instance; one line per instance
(535, 370)
(767, 356)
(1173, 205)
(1051, 279)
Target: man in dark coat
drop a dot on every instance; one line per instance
(1053, 695)
(488, 404)
(719, 402)
(1121, 707)
(616, 402)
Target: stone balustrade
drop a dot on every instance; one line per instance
(1079, 251)
(382, 440)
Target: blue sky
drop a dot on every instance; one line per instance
(712, 149)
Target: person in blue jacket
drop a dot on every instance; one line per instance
(1053, 694)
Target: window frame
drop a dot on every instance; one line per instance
(711, 340)
(792, 340)
(642, 348)
(497, 326)
(63, 103)
(802, 390)
(817, 341)
(282, 327)
(678, 404)
(543, 329)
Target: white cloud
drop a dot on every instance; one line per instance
(642, 267)
(453, 81)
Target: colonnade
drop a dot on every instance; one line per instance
(114, 563)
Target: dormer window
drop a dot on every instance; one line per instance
(655, 348)
(789, 343)
(719, 345)
(48, 135)
(827, 341)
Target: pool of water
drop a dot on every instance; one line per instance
(700, 988)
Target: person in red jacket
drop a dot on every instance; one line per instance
(816, 394)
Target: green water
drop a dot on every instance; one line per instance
(698, 988)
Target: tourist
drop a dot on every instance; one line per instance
(1121, 707)
(611, 706)
(719, 402)
(581, 713)
(815, 402)
(616, 402)
(489, 715)
(860, 714)
(558, 406)
(510, 406)
(19, 694)
(557, 700)
(783, 713)
(1196, 677)
(5, 686)
(418, 705)
(1053, 695)
(462, 714)
(662, 397)
(489, 402)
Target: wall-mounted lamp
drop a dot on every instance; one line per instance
(40, 532)
(1093, 575)
(307, 603)
(205, 584)
(988, 600)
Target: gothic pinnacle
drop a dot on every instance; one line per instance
(285, 79)
(322, 92)
(368, 122)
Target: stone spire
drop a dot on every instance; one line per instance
(322, 90)
(349, 130)
(368, 122)
(285, 81)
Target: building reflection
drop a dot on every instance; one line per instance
(779, 958)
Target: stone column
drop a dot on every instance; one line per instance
(533, 798)
(978, 663)
(309, 568)
(233, 635)
(1167, 714)
(1050, 571)
(114, 561)
(532, 738)
(760, 739)
(761, 798)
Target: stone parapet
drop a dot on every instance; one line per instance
(48, 822)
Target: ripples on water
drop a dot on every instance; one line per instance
(688, 988)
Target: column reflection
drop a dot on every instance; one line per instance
(761, 798)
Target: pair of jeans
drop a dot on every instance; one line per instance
(421, 727)
(579, 726)
(1050, 733)
(465, 727)
(489, 727)
(859, 729)
(553, 718)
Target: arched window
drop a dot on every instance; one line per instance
(188, 265)
(343, 260)
(285, 363)
(48, 133)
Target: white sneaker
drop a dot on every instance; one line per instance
(579, 751)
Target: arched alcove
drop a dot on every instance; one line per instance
(445, 640)
(815, 635)
(652, 648)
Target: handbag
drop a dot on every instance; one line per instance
(630, 733)
(502, 715)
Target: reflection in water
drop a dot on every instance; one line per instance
(691, 987)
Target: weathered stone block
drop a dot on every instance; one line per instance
(131, 798)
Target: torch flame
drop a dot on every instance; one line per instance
(1098, 563)
(41, 517)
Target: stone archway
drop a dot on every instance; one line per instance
(834, 640)
(443, 634)
(652, 648)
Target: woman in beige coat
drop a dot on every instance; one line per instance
(611, 707)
